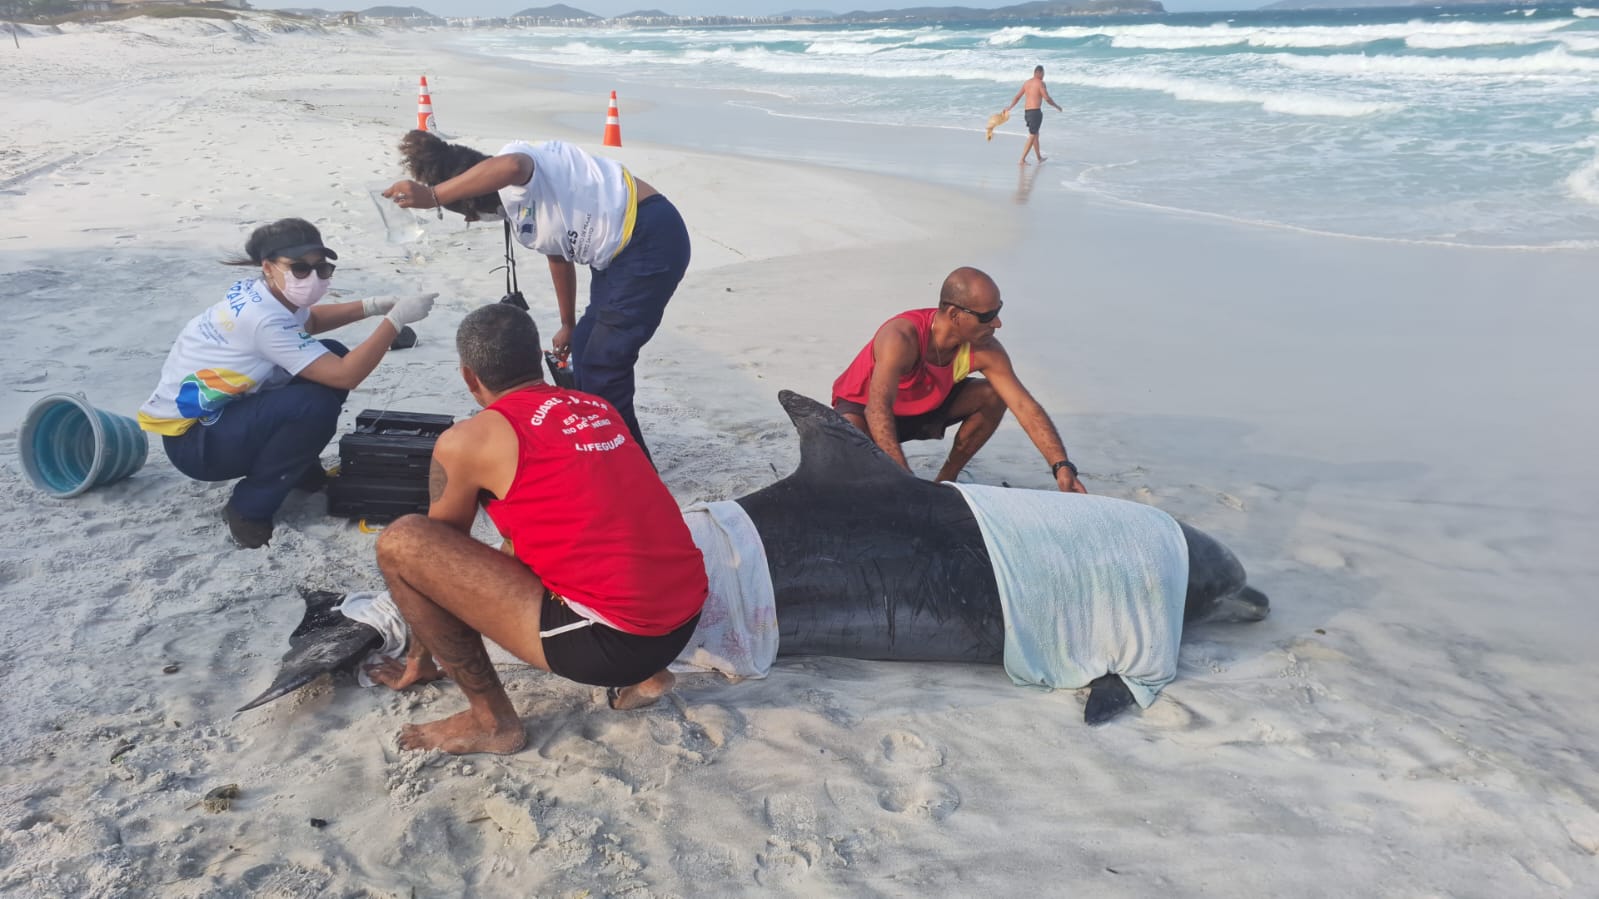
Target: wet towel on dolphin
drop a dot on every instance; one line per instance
(1089, 585)
(737, 633)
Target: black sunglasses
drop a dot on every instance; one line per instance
(983, 317)
(303, 270)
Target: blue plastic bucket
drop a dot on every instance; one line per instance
(69, 446)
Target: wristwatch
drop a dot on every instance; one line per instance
(1054, 470)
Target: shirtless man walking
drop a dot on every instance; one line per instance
(1033, 110)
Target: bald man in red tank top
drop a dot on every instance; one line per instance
(911, 382)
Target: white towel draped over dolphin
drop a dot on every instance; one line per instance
(1089, 585)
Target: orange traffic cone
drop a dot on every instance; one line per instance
(613, 128)
(424, 109)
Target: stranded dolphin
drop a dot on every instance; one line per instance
(866, 561)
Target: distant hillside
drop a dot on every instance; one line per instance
(1371, 4)
(558, 11)
(398, 12)
(1040, 9)
(644, 14)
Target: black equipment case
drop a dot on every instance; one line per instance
(383, 465)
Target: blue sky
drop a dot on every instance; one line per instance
(698, 7)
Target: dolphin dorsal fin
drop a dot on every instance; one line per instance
(831, 449)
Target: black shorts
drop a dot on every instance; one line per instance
(926, 426)
(604, 656)
(1034, 118)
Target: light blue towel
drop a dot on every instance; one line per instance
(1089, 585)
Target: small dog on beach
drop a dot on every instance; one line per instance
(996, 120)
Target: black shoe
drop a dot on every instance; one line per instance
(248, 533)
(314, 479)
(403, 340)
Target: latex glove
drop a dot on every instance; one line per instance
(410, 310)
(377, 305)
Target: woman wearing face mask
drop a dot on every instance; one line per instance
(576, 209)
(247, 392)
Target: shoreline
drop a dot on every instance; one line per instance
(1391, 439)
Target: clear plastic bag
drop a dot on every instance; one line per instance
(401, 225)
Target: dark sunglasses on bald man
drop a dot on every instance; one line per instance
(303, 270)
(983, 317)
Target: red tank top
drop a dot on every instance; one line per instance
(592, 519)
(923, 388)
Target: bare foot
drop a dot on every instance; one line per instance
(398, 675)
(463, 733)
(640, 695)
(1041, 158)
(1023, 162)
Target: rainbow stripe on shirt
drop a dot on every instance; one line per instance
(201, 395)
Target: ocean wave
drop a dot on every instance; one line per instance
(1007, 37)
(1583, 12)
(1549, 63)
(1290, 103)
(1583, 184)
(844, 48)
(1306, 37)
(892, 63)
(961, 65)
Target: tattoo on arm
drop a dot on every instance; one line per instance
(437, 481)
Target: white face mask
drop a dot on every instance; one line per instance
(303, 292)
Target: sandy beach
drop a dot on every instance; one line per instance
(1394, 438)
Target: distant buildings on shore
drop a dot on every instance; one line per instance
(561, 15)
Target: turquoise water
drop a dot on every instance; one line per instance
(1476, 126)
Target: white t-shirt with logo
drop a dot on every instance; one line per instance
(244, 344)
(576, 206)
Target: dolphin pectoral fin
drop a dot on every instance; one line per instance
(1107, 697)
(324, 641)
(1247, 604)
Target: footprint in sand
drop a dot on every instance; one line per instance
(1172, 714)
(1321, 557)
(791, 816)
(792, 847)
(1582, 826)
(929, 797)
(909, 750)
(783, 863)
(1546, 871)
(916, 793)
(827, 704)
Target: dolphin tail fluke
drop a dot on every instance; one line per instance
(324, 641)
(1107, 697)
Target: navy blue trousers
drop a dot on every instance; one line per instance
(626, 302)
(270, 439)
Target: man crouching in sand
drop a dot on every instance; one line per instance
(599, 582)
